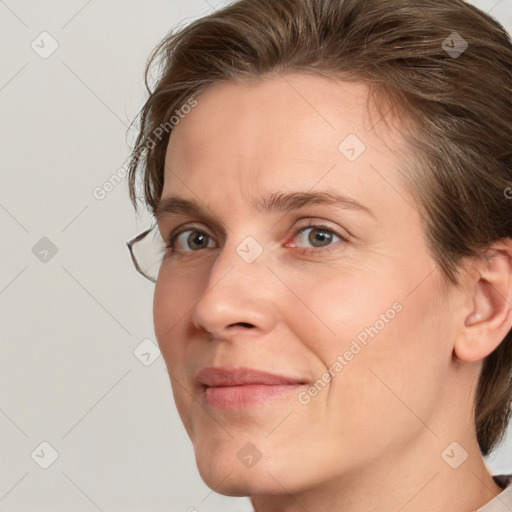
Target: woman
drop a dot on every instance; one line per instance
(331, 185)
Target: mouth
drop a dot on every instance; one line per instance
(241, 387)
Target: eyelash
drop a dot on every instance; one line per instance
(305, 250)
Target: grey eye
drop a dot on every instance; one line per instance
(317, 236)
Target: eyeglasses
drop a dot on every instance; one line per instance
(147, 250)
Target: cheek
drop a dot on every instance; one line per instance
(403, 367)
(173, 300)
(389, 311)
(338, 308)
(382, 343)
(176, 293)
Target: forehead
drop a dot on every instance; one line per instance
(285, 132)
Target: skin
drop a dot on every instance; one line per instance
(373, 437)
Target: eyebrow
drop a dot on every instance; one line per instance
(275, 202)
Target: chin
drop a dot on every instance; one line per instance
(240, 483)
(222, 468)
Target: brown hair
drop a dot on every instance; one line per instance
(459, 105)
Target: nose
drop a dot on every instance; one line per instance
(239, 298)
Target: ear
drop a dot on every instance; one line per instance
(487, 313)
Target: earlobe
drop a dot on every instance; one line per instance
(487, 316)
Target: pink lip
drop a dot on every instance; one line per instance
(242, 387)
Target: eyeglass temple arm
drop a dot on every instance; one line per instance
(133, 241)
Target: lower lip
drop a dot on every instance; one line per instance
(238, 397)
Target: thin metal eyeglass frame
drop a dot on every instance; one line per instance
(130, 243)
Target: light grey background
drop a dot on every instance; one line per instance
(70, 325)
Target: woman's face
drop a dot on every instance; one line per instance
(340, 302)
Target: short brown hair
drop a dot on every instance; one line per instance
(460, 106)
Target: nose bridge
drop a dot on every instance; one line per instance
(245, 256)
(236, 291)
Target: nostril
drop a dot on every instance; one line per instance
(244, 324)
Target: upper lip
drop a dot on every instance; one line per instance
(241, 376)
